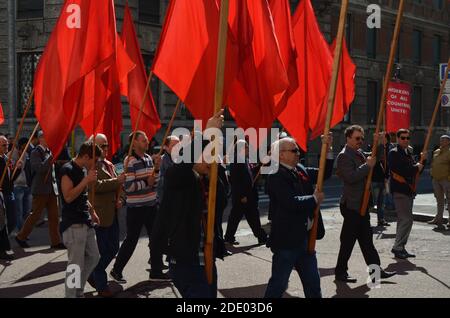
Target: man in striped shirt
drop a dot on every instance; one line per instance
(140, 189)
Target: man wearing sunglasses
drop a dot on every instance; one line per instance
(403, 173)
(293, 200)
(353, 168)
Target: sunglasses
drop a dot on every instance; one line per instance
(296, 151)
(104, 146)
(359, 138)
(405, 138)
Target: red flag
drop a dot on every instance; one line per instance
(398, 106)
(281, 14)
(83, 43)
(108, 109)
(2, 116)
(313, 64)
(187, 54)
(261, 82)
(134, 85)
(345, 94)
(307, 107)
(255, 79)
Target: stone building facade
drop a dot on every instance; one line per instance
(424, 42)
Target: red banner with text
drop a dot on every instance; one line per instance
(398, 106)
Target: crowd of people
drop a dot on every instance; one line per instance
(83, 195)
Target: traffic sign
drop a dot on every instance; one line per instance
(442, 68)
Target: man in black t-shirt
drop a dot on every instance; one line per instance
(78, 219)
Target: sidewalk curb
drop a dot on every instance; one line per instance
(417, 216)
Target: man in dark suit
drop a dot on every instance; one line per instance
(293, 200)
(45, 193)
(403, 174)
(353, 168)
(244, 198)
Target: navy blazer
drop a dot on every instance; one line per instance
(292, 203)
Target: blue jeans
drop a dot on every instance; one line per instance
(191, 282)
(108, 245)
(284, 261)
(10, 205)
(379, 194)
(23, 204)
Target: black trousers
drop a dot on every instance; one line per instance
(251, 212)
(355, 227)
(158, 244)
(4, 240)
(136, 218)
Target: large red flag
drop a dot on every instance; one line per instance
(108, 109)
(82, 43)
(2, 116)
(281, 14)
(187, 54)
(345, 94)
(307, 107)
(134, 85)
(313, 64)
(255, 79)
(261, 82)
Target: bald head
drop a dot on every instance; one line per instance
(102, 141)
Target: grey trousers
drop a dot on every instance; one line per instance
(441, 190)
(83, 256)
(403, 207)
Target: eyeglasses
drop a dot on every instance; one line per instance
(296, 151)
(359, 138)
(405, 138)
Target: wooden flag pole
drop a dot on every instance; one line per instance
(330, 108)
(433, 119)
(72, 151)
(16, 138)
(220, 70)
(387, 79)
(169, 127)
(141, 109)
(25, 150)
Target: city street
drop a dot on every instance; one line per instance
(39, 271)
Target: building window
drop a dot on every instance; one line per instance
(149, 11)
(348, 115)
(372, 102)
(29, 9)
(438, 4)
(294, 4)
(185, 113)
(372, 43)
(349, 32)
(155, 84)
(417, 47)
(445, 116)
(416, 110)
(436, 49)
(26, 66)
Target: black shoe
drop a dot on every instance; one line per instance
(91, 282)
(5, 256)
(385, 274)
(408, 254)
(227, 253)
(159, 276)
(232, 242)
(262, 240)
(346, 278)
(59, 246)
(117, 277)
(399, 254)
(22, 244)
(383, 223)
